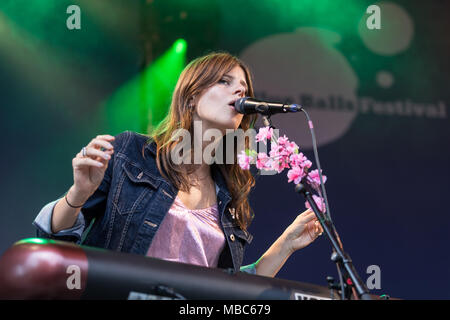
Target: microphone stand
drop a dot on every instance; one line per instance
(268, 123)
(339, 256)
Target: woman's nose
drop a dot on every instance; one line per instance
(240, 90)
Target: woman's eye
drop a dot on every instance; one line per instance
(224, 81)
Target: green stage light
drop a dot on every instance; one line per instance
(180, 46)
(34, 241)
(141, 103)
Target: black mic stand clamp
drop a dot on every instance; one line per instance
(267, 122)
(342, 259)
(334, 286)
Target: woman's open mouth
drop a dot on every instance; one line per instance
(231, 104)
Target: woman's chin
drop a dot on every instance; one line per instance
(236, 121)
(233, 124)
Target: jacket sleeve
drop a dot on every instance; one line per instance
(94, 207)
(42, 223)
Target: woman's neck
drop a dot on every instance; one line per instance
(202, 172)
(204, 151)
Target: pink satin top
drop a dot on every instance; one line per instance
(189, 236)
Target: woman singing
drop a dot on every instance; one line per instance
(130, 195)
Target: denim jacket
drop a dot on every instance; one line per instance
(128, 207)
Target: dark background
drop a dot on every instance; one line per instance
(387, 175)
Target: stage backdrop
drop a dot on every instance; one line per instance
(378, 99)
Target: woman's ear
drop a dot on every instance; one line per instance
(191, 102)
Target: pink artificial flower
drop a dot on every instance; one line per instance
(274, 151)
(264, 134)
(262, 161)
(283, 154)
(282, 140)
(284, 164)
(307, 164)
(244, 160)
(315, 179)
(279, 152)
(280, 158)
(291, 147)
(295, 174)
(297, 159)
(277, 166)
(320, 203)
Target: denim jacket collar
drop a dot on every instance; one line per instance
(151, 146)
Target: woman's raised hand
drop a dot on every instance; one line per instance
(89, 167)
(304, 230)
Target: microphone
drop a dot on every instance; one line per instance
(249, 105)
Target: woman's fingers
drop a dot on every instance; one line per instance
(318, 230)
(97, 153)
(80, 162)
(92, 152)
(106, 137)
(314, 229)
(307, 216)
(313, 226)
(100, 143)
(99, 149)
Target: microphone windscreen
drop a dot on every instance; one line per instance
(239, 105)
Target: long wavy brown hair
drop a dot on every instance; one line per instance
(199, 75)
